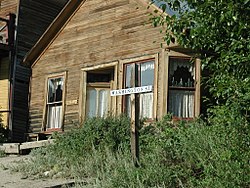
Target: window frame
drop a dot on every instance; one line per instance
(84, 85)
(47, 103)
(98, 87)
(182, 88)
(122, 71)
(196, 88)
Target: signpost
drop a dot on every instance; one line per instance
(128, 91)
(134, 101)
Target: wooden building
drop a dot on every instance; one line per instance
(94, 47)
(32, 20)
(8, 10)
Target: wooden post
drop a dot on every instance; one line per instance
(134, 103)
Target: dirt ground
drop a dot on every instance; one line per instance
(9, 179)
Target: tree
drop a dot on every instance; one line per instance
(219, 32)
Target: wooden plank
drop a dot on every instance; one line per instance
(13, 148)
(134, 116)
(165, 82)
(155, 97)
(82, 105)
(120, 86)
(4, 85)
(8, 6)
(197, 87)
(36, 144)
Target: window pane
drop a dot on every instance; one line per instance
(145, 77)
(103, 102)
(54, 116)
(128, 75)
(147, 73)
(91, 102)
(127, 105)
(55, 89)
(51, 90)
(181, 72)
(146, 105)
(94, 77)
(181, 103)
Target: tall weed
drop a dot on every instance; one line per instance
(191, 154)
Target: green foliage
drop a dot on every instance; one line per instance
(219, 32)
(171, 155)
(3, 131)
(2, 153)
(73, 148)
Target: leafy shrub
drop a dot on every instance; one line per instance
(190, 154)
(3, 131)
(73, 148)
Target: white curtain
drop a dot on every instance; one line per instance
(91, 102)
(54, 117)
(146, 105)
(103, 102)
(181, 103)
(97, 102)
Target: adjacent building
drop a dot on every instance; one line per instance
(24, 22)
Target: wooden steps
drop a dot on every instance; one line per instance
(19, 148)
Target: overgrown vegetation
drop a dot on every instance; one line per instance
(172, 155)
(201, 154)
(3, 131)
(219, 32)
(3, 135)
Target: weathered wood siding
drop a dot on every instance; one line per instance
(100, 32)
(8, 6)
(33, 19)
(4, 90)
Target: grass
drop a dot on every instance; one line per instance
(2, 153)
(184, 155)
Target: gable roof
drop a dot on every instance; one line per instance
(57, 25)
(37, 15)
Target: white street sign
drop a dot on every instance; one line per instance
(128, 91)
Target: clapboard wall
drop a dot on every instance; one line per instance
(34, 18)
(99, 32)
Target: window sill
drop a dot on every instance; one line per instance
(181, 88)
(50, 131)
(176, 119)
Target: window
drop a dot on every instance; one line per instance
(143, 74)
(98, 94)
(181, 92)
(54, 102)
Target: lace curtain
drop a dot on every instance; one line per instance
(54, 117)
(181, 103)
(97, 102)
(146, 105)
(177, 63)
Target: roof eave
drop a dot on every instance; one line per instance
(52, 31)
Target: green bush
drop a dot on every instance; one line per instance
(190, 154)
(74, 147)
(3, 131)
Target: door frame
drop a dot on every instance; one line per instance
(83, 88)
